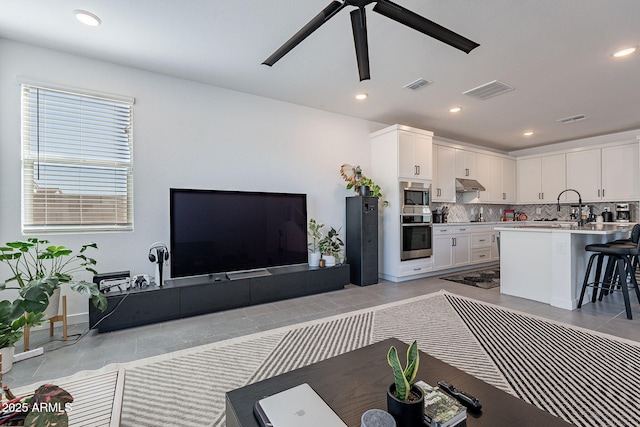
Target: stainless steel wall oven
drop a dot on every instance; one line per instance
(416, 231)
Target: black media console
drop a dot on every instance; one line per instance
(190, 296)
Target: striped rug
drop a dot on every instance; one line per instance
(586, 378)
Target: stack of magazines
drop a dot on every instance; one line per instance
(441, 410)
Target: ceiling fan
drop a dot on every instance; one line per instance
(359, 25)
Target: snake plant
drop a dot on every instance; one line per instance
(404, 378)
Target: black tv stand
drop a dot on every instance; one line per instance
(191, 296)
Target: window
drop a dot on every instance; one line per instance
(77, 166)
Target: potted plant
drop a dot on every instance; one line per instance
(405, 401)
(47, 406)
(331, 246)
(38, 272)
(362, 184)
(315, 232)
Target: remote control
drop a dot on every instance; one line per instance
(464, 398)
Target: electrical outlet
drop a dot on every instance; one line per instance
(538, 211)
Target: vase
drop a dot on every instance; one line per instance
(314, 259)
(7, 358)
(406, 414)
(364, 190)
(329, 260)
(54, 305)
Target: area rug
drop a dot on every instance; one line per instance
(581, 376)
(486, 278)
(586, 378)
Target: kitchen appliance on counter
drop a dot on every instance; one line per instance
(607, 215)
(415, 224)
(623, 214)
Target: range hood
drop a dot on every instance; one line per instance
(464, 185)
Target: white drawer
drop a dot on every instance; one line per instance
(480, 240)
(418, 266)
(480, 255)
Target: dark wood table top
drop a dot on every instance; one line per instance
(358, 380)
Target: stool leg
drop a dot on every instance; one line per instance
(608, 277)
(622, 272)
(585, 283)
(596, 282)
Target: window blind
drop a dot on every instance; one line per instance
(77, 165)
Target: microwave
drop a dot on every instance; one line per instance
(415, 204)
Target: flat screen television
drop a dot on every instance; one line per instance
(214, 231)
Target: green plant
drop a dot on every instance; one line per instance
(47, 406)
(404, 378)
(315, 232)
(355, 179)
(331, 244)
(38, 271)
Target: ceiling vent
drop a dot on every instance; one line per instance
(573, 119)
(488, 90)
(417, 84)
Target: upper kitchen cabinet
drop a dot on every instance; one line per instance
(498, 176)
(408, 151)
(443, 188)
(415, 155)
(605, 174)
(541, 179)
(466, 164)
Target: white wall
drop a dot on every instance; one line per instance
(187, 135)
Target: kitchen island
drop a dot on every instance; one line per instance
(547, 263)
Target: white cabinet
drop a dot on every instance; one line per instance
(466, 164)
(390, 148)
(620, 166)
(414, 156)
(451, 247)
(508, 181)
(605, 174)
(443, 188)
(584, 174)
(498, 176)
(541, 179)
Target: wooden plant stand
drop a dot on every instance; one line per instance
(59, 318)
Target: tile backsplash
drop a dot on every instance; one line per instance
(461, 212)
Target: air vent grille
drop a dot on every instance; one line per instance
(417, 84)
(489, 90)
(573, 119)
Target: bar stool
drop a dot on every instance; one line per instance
(620, 266)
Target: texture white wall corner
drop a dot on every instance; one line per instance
(186, 135)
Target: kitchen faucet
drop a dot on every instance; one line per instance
(580, 222)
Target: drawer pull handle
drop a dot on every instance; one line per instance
(481, 240)
(417, 269)
(482, 256)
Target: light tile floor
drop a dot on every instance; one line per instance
(91, 350)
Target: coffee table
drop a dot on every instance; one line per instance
(357, 381)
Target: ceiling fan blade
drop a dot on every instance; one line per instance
(359, 25)
(419, 23)
(328, 12)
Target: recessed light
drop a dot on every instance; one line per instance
(528, 133)
(455, 109)
(625, 52)
(87, 18)
(361, 96)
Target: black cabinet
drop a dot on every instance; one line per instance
(362, 239)
(192, 296)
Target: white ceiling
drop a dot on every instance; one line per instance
(555, 53)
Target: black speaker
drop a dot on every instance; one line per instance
(362, 239)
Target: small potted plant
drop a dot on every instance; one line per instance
(331, 246)
(362, 184)
(315, 232)
(405, 401)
